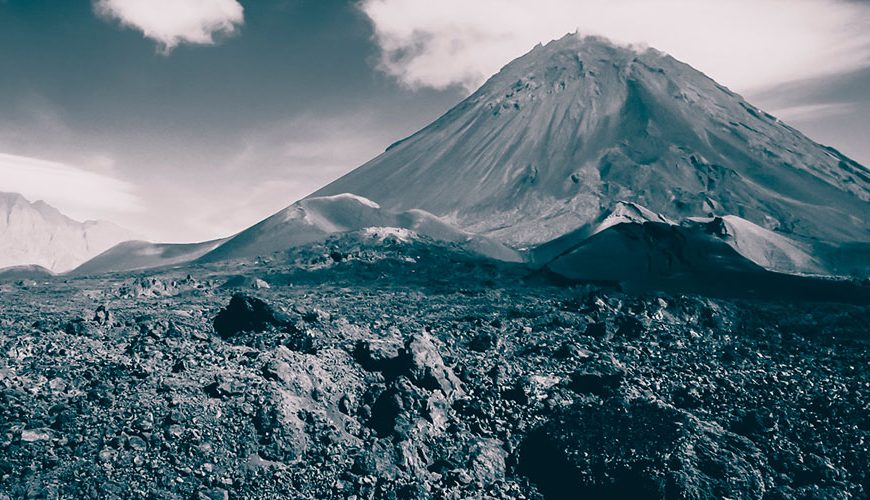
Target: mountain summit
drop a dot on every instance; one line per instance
(560, 136)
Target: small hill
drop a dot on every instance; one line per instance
(137, 255)
(34, 273)
(314, 219)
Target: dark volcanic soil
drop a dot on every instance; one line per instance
(364, 379)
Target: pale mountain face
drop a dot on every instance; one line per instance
(562, 134)
(38, 234)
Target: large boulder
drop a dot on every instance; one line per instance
(426, 368)
(639, 449)
(249, 314)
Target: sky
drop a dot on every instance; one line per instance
(187, 120)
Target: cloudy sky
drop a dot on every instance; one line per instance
(186, 120)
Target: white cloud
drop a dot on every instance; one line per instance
(173, 22)
(805, 112)
(744, 44)
(76, 192)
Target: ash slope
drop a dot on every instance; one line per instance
(137, 255)
(38, 234)
(759, 247)
(551, 142)
(315, 219)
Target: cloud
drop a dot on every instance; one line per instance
(805, 112)
(173, 22)
(744, 44)
(76, 192)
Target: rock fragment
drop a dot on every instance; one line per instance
(639, 449)
(213, 494)
(33, 435)
(382, 355)
(599, 377)
(426, 368)
(249, 314)
(102, 316)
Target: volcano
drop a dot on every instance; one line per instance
(561, 136)
(568, 142)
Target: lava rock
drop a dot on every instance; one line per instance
(213, 494)
(34, 435)
(597, 330)
(487, 461)
(222, 390)
(380, 355)
(249, 314)
(246, 282)
(630, 327)
(77, 326)
(600, 378)
(426, 368)
(639, 449)
(485, 341)
(102, 316)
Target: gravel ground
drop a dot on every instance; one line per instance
(354, 374)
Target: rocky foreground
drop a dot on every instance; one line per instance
(359, 379)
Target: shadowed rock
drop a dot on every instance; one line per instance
(639, 449)
(249, 314)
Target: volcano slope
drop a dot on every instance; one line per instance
(374, 366)
(567, 131)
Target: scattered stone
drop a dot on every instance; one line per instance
(102, 316)
(570, 350)
(597, 330)
(179, 366)
(136, 443)
(278, 370)
(426, 368)
(485, 341)
(249, 314)
(214, 494)
(630, 327)
(683, 398)
(381, 355)
(487, 461)
(246, 282)
(223, 390)
(33, 435)
(641, 449)
(600, 378)
(77, 326)
(314, 315)
(301, 340)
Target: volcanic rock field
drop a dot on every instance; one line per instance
(405, 373)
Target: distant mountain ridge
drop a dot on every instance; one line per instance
(38, 234)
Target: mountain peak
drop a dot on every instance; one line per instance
(560, 135)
